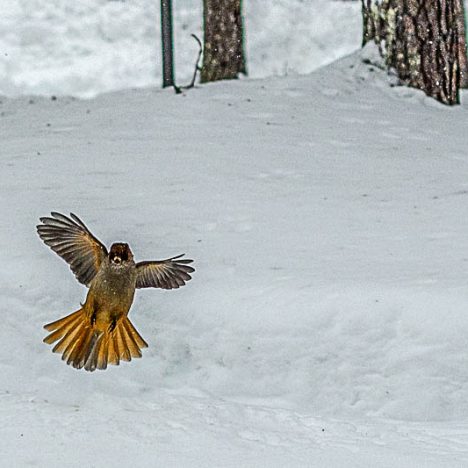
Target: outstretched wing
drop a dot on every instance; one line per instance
(166, 274)
(73, 241)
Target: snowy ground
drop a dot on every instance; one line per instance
(326, 324)
(84, 48)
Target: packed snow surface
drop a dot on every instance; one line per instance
(83, 48)
(326, 324)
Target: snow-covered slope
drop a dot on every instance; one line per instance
(85, 48)
(326, 322)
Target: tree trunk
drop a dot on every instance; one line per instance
(223, 54)
(423, 41)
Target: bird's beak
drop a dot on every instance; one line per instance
(117, 260)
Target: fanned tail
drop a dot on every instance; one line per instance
(83, 345)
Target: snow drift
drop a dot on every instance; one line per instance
(326, 320)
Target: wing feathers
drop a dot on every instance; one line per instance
(171, 273)
(72, 240)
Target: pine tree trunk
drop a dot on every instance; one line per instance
(223, 54)
(423, 41)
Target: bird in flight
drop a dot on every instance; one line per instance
(100, 333)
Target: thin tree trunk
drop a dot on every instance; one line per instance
(223, 55)
(423, 41)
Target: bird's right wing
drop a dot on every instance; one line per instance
(72, 240)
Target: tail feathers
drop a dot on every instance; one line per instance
(82, 345)
(61, 323)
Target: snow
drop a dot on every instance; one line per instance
(326, 322)
(84, 48)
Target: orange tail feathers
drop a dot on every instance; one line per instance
(82, 345)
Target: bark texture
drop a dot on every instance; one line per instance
(423, 41)
(223, 55)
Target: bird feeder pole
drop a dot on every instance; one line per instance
(167, 43)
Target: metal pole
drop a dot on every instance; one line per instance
(167, 43)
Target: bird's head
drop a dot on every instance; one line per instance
(120, 254)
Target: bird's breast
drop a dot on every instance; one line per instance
(113, 291)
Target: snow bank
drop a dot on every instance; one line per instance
(326, 320)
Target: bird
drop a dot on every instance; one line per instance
(99, 332)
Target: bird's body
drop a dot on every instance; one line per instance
(100, 331)
(111, 292)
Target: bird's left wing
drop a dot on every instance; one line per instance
(72, 240)
(166, 274)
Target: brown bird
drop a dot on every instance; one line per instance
(100, 333)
